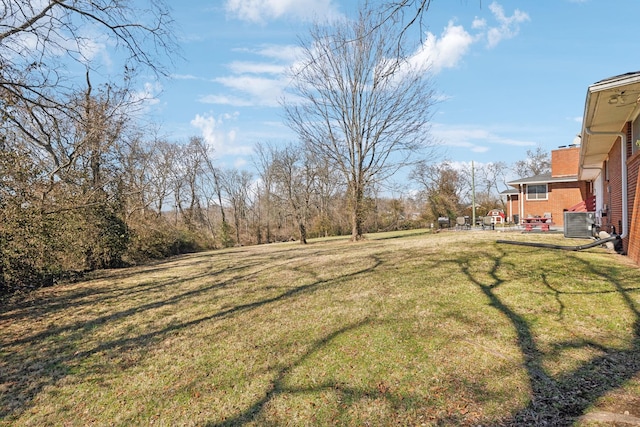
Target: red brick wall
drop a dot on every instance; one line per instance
(560, 196)
(513, 206)
(564, 162)
(633, 167)
(613, 189)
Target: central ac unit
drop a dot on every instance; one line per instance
(579, 224)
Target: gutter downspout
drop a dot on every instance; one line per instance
(625, 185)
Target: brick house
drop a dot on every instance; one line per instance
(610, 156)
(551, 194)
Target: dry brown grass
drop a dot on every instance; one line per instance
(401, 329)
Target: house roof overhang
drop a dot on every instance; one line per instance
(610, 103)
(510, 192)
(542, 179)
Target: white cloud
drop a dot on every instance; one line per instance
(240, 67)
(148, 94)
(240, 162)
(509, 25)
(184, 77)
(474, 148)
(444, 52)
(207, 126)
(259, 90)
(233, 101)
(223, 142)
(91, 47)
(255, 83)
(479, 24)
(448, 50)
(264, 10)
(475, 139)
(286, 53)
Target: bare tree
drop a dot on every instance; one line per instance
(41, 40)
(329, 187)
(538, 162)
(216, 174)
(236, 185)
(363, 108)
(490, 180)
(163, 160)
(405, 13)
(211, 187)
(193, 163)
(135, 158)
(442, 186)
(263, 160)
(295, 177)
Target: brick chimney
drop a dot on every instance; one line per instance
(564, 161)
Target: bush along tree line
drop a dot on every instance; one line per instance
(68, 147)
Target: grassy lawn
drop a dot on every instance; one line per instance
(405, 328)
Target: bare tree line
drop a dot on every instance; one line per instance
(84, 186)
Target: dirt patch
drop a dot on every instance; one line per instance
(622, 403)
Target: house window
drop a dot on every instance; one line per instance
(537, 192)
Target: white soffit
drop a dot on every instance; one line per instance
(609, 105)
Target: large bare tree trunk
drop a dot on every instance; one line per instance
(357, 213)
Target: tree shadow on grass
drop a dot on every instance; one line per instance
(278, 387)
(560, 401)
(36, 360)
(403, 408)
(403, 235)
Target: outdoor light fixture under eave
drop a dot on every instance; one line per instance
(617, 98)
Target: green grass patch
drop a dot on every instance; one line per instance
(406, 328)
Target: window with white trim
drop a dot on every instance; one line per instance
(537, 192)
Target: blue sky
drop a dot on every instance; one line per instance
(511, 75)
